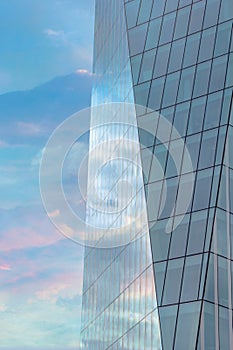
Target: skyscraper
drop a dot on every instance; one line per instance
(173, 58)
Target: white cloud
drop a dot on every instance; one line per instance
(35, 162)
(54, 213)
(52, 292)
(31, 129)
(83, 72)
(52, 32)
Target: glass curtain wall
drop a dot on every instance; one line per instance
(181, 61)
(119, 308)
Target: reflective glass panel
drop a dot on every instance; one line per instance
(167, 28)
(173, 281)
(202, 79)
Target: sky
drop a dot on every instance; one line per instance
(40, 270)
(43, 39)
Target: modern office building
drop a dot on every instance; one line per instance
(171, 286)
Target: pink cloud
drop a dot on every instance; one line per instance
(25, 237)
(5, 267)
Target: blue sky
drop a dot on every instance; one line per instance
(40, 270)
(43, 39)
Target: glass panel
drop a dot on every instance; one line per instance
(170, 91)
(223, 281)
(153, 34)
(213, 110)
(156, 93)
(191, 49)
(169, 197)
(173, 167)
(131, 9)
(221, 143)
(208, 327)
(208, 148)
(154, 190)
(211, 13)
(186, 84)
(182, 22)
(176, 55)
(168, 321)
(167, 28)
(209, 288)
(159, 240)
(222, 199)
(187, 326)
(162, 132)
(145, 10)
(161, 60)
(159, 271)
(196, 17)
(202, 190)
(218, 73)
(171, 5)
(135, 67)
(202, 79)
(147, 126)
(191, 278)
(228, 159)
(141, 94)
(172, 285)
(146, 156)
(197, 232)
(207, 44)
(223, 39)
(225, 327)
(209, 227)
(181, 118)
(226, 10)
(203, 274)
(160, 153)
(185, 2)
(229, 81)
(137, 37)
(186, 182)
(179, 238)
(197, 113)
(193, 145)
(226, 106)
(158, 8)
(147, 66)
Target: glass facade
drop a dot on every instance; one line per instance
(173, 57)
(184, 70)
(119, 308)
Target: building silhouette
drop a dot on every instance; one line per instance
(171, 285)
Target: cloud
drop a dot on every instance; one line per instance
(54, 213)
(52, 292)
(51, 32)
(31, 129)
(83, 72)
(25, 237)
(35, 162)
(59, 37)
(5, 267)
